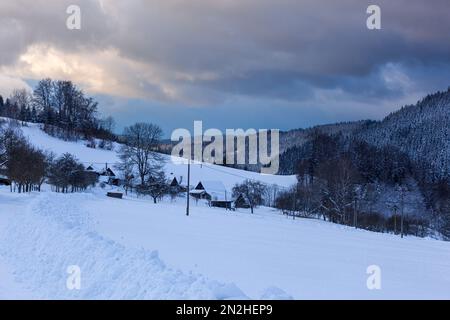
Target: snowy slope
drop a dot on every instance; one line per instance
(262, 255)
(175, 166)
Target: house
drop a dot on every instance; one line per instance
(108, 172)
(213, 191)
(174, 183)
(4, 181)
(105, 174)
(101, 171)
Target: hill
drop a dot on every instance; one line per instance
(174, 166)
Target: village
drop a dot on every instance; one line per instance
(131, 222)
(213, 192)
(217, 186)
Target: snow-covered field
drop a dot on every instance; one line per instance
(132, 248)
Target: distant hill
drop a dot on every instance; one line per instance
(421, 131)
(298, 137)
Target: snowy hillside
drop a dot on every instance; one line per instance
(422, 131)
(175, 167)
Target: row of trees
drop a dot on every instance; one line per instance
(141, 165)
(22, 163)
(61, 107)
(29, 167)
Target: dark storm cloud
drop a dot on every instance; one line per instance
(282, 48)
(207, 51)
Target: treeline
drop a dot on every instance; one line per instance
(63, 109)
(28, 167)
(347, 181)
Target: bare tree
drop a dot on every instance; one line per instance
(252, 191)
(338, 188)
(141, 142)
(67, 172)
(156, 186)
(126, 169)
(21, 99)
(108, 124)
(10, 135)
(26, 166)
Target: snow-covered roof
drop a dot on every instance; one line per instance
(216, 190)
(104, 179)
(95, 168)
(100, 169)
(197, 191)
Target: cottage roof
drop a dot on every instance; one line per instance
(215, 189)
(100, 170)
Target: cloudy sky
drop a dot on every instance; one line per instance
(231, 63)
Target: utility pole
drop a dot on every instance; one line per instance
(188, 185)
(294, 201)
(395, 219)
(402, 209)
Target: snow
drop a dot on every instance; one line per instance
(134, 249)
(55, 233)
(305, 258)
(10, 288)
(215, 189)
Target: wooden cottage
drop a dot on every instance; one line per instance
(105, 174)
(4, 181)
(213, 191)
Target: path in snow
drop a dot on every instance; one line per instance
(40, 243)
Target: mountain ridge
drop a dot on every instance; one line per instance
(421, 131)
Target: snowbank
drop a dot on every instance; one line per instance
(54, 233)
